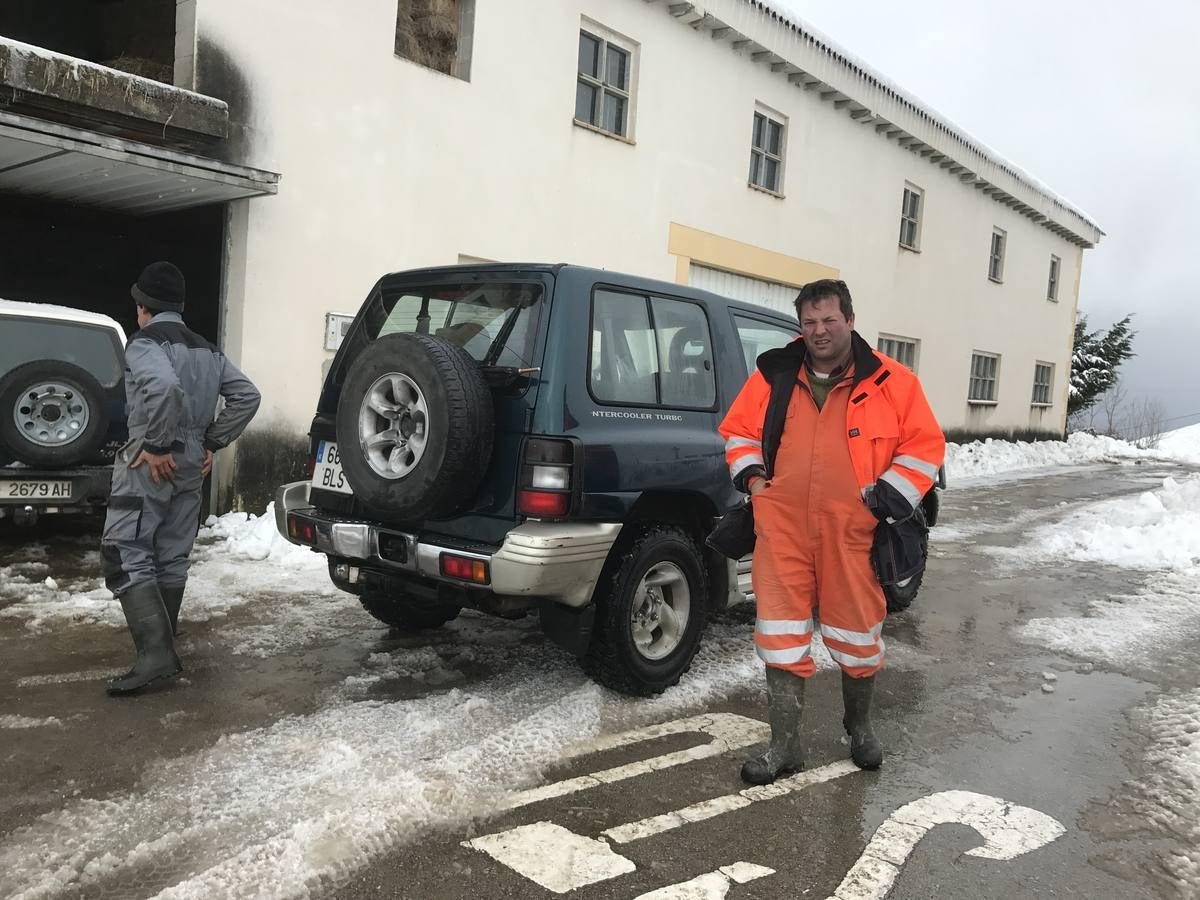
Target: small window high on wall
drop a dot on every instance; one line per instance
(436, 34)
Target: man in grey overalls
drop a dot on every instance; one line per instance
(173, 380)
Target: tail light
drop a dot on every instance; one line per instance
(465, 568)
(310, 465)
(548, 476)
(302, 531)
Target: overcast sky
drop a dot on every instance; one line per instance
(1098, 100)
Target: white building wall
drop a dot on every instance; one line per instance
(387, 165)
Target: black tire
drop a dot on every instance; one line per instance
(407, 616)
(613, 658)
(457, 429)
(900, 597)
(81, 401)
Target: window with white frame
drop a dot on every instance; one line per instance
(1043, 383)
(984, 369)
(766, 151)
(1052, 287)
(604, 88)
(910, 217)
(901, 349)
(996, 257)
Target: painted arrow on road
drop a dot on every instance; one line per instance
(1008, 831)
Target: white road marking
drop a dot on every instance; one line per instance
(1008, 831)
(710, 886)
(728, 732)
(707, 809)
(554, 857)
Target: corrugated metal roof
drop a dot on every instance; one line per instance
(69, 165)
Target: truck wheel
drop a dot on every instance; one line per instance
(900, 596)
(414, 427)
(52, 414)
(652, 601)
(407, 616)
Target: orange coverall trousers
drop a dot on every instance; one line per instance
(812, 555)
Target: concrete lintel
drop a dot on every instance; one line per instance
(74, 89)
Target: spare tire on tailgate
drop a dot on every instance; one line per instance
(414, 426)
(52, 414)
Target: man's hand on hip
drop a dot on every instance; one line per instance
(756, 484)
(162, 465)
(206, 467)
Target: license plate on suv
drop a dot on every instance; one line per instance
(35, 490)
(327, 473)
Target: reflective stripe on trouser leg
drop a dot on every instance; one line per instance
(784, 585)
(852, 605)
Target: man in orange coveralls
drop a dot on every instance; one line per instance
(829, 438)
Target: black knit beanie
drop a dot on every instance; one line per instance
(159, 287)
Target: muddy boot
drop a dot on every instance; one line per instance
(785, 694)
(865, 749)
(172, 599)
(151, 631)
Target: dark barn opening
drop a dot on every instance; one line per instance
(88, 258)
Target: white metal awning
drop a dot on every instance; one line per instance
(70, 165)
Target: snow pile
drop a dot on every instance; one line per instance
(1157, 529)
(983, 458)
(1182, 444)
(246, 536)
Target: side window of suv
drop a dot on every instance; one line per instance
(758, 337)
(650, 351)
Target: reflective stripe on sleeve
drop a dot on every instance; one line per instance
(911, 462)
(734, 442)
(742, 462)
(907, 489)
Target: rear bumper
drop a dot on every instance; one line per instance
(556, 561)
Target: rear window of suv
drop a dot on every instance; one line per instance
(91, 347)
(495, 322)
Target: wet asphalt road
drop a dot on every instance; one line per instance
(960, 708)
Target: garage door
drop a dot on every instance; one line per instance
(771, 294)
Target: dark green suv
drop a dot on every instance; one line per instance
(535, 438)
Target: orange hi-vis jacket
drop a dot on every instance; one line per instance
(875, 432)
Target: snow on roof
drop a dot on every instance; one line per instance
(62, 313)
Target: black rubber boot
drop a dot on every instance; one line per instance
(865, 748)
(151, 631)
(172, 599)
(784, 756)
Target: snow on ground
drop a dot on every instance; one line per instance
(1182, 444)
(1157, 531)
(275, 811)
(1169, 795)
(279, 809)
(239, 560)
